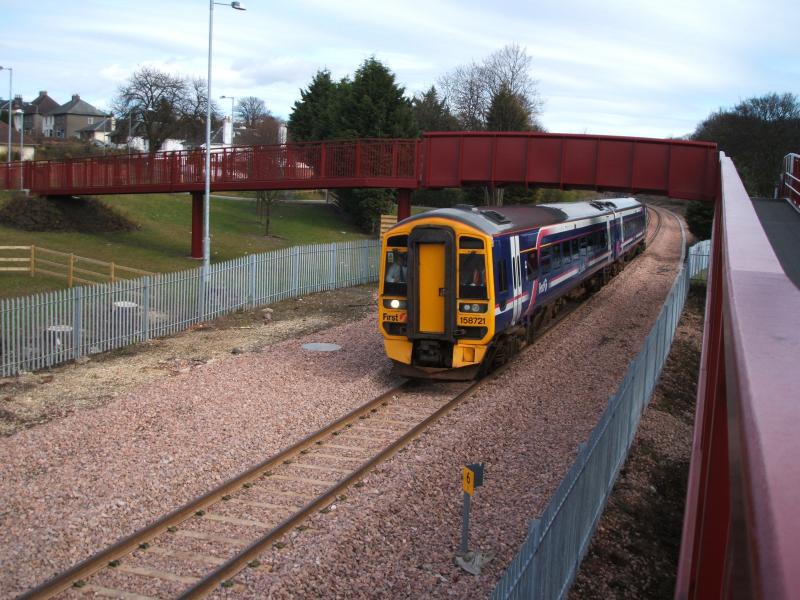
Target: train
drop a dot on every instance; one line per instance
(462, 289)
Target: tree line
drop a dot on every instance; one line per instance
(497, 93)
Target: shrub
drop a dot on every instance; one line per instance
(84, 215)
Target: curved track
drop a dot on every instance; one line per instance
(655, 217)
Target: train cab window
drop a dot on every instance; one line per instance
(472, 276)
(470, 243)
(396, 272)
(397, 241)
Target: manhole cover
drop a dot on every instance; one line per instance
(322, 347)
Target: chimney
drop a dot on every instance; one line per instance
(75, 97)
(42, 93)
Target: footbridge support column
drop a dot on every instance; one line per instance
(197, 225)
(403, 204)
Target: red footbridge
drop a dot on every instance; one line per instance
(741, 536)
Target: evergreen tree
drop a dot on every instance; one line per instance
(432, 114)
(507, 112)
(314, 116)
(373, 105)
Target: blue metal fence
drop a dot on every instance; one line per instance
(47, 329)
(548, 561)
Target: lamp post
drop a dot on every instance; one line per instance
(10, 77)
(207, 194)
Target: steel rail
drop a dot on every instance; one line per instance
(657, 226)
(130, 543)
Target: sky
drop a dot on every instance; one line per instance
(641, 68)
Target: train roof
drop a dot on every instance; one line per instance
(494, 220)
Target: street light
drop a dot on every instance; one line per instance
(207, 195)
(10, 76)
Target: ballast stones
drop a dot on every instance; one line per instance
(322, 347)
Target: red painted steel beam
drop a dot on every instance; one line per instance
(741, 533)
(675, 168)
(403, 204)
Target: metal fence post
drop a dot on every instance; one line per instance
(296, 272)
(252, 272)
(146, 307)
(77, 321)
(334, 264)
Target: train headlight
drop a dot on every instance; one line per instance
(472, 308)
(395, 304)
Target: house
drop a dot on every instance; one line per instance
(99, 132)
(68, 119)
(29, 148)
(36, 111)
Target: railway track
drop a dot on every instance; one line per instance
(205, 543)
(656, 214)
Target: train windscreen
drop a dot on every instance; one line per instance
(472, 276)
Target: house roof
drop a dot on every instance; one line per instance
(76, 106)
(42, 104)
(14, 137)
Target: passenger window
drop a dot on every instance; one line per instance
(531, 266)
(544, 261)
(556, 256)
(502, 277)
(566, 253)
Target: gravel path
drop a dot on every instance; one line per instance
(77, 484)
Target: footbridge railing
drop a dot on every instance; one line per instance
(390, 163)
(790, 179)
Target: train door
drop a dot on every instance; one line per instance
(432, 283)
(432, 287)
(516, 278)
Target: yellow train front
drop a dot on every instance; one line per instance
(436, 313)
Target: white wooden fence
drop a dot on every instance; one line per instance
(47, 329)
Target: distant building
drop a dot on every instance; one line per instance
(36, 112)
(67, 120)
(29, 149)
(99, 132)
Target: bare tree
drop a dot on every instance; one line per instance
(265, 200)
(265, 131)
(162, 105)
(251, 111)
(469, 89)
